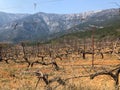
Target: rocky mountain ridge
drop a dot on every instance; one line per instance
(41, 26)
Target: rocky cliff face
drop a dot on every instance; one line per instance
(59, 22)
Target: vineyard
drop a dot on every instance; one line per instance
(74, 64)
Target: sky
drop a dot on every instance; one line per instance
(56, 6)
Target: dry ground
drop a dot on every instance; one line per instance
(16, 76)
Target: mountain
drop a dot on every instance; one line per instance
(61, 22)
(101, 19)
(110, 32)
(8, 17)
(45, 26)
(28, 28)
(39, 26)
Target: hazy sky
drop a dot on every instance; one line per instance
(55, 6)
